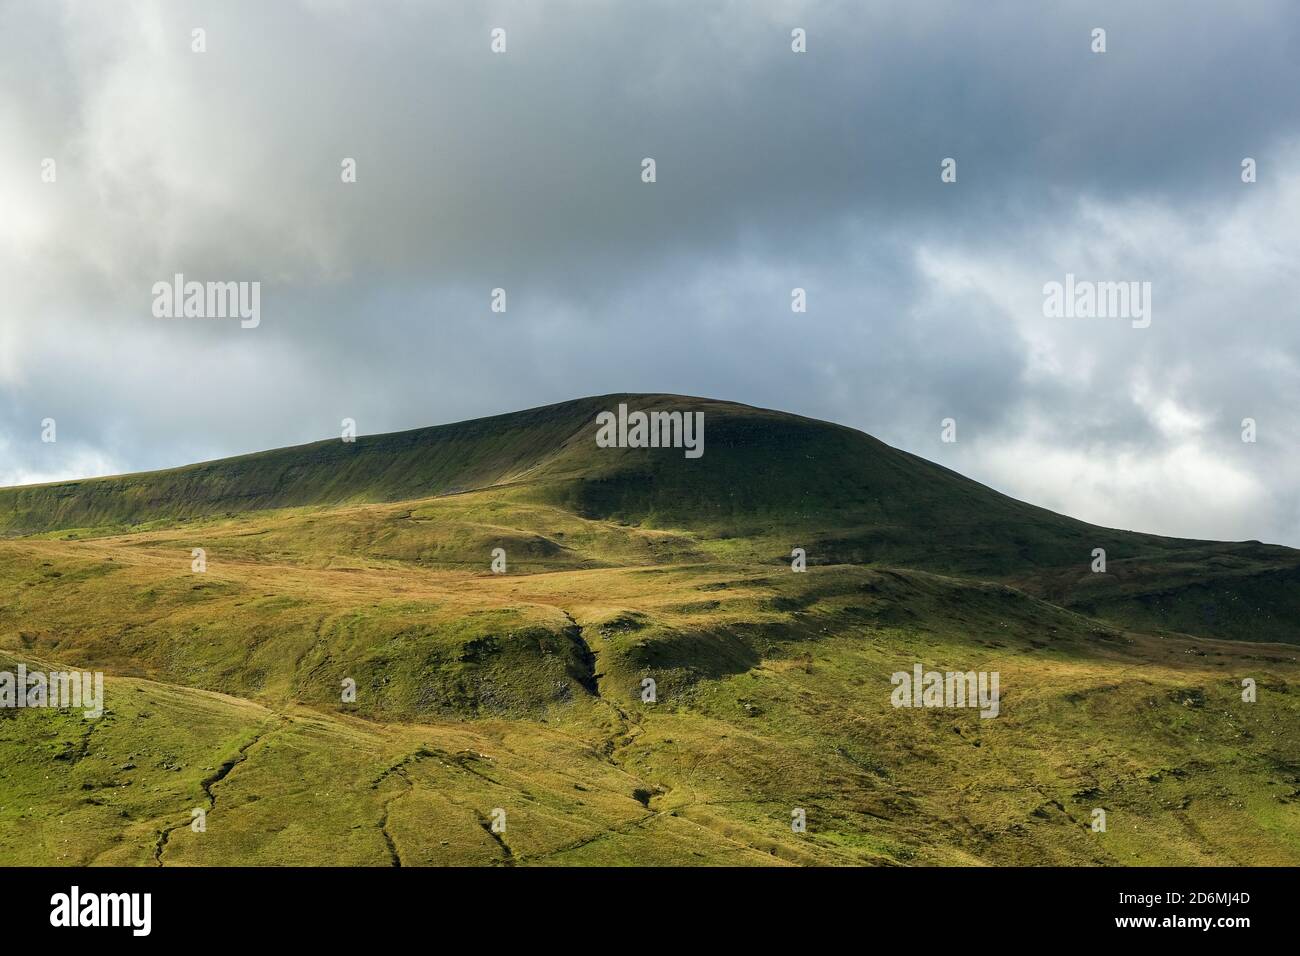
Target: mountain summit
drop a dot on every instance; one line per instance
(766, 478)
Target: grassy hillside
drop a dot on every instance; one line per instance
(773, 694)
(414, 464)
(523, 691)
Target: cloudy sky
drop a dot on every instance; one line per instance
(775, 170)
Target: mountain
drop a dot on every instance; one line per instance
(313, 646)
(772, 479)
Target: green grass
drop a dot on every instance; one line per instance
(522, 691)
